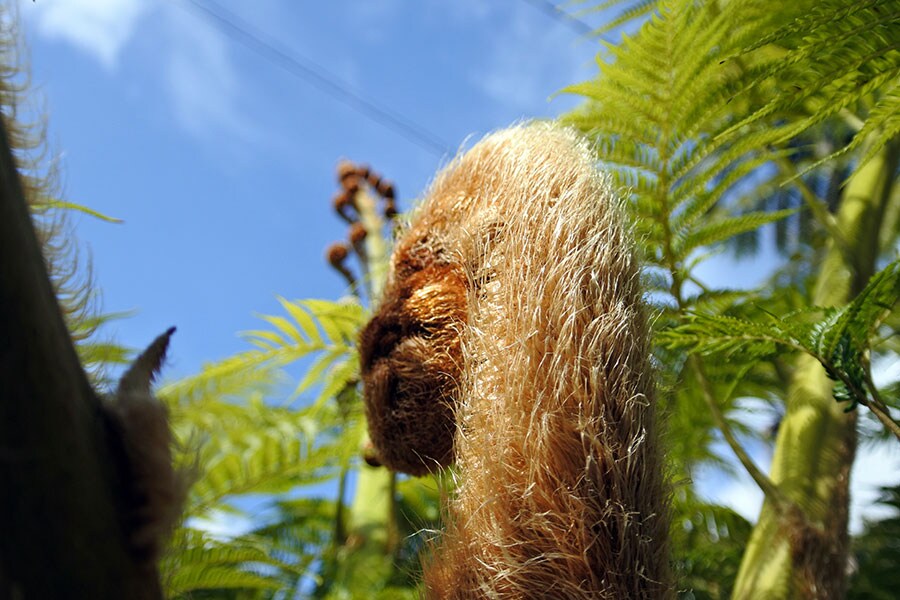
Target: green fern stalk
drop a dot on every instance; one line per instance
(365, 562)
(803, 550)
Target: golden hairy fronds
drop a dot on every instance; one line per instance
(512, 325)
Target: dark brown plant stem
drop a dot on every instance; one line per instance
(59, 506)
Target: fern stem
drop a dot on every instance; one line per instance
(768, 487)
(815, 204)
(881, 413)
(340, 528)
(370, 524)
(879, 408)
(377, 249)
(851, 119)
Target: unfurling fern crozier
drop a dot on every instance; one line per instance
(512, 341)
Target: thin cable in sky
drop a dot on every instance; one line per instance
(558, 14)
(319, 77)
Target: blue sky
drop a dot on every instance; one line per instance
(221, 162)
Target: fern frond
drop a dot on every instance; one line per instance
(196, 547)
(233, 377)
(838, 54)
(44, 203)
(340, 321)
(636, 10)
(262, 449)
(699, 195)
(840, 339)
(726, 228)
(860, 319)
(622, 13)
(881, 126)
(339, 376)
(814, 24)
(190, 578)
(198, 561)
(708, 334)
(714, 301)
(654, 113)
(317, 371)
(313, 326)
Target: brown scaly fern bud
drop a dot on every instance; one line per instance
(385, 189)
(357, 234)
(343, 203)
(336, 255)
(512, 340)
(351, 184)
(345, 169)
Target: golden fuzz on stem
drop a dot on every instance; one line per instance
(512, 338)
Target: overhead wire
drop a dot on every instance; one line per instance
(558, 14)
(315, 75)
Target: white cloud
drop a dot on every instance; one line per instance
(193, 60)
(202, 81)
(99, 27)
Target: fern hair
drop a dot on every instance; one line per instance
(546, 403)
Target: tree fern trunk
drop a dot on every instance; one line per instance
(62, 535)
(801, 551)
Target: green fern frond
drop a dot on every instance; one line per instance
(814, 23)
(636, 10)
(44, 203)
(859, 320)
(190, 578)
(313, 326)
(233, 377)
(839, 339)
(337, 377)
(838, 53)
(302, 523)
(69, 266)
(689, 114)
(708, 334)
(700, 199)
(316, 373)
(653, 114)
(714, 301)
(262, 449)
(881, 126)
(197, 561)
(726, 228)
(197, 547)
